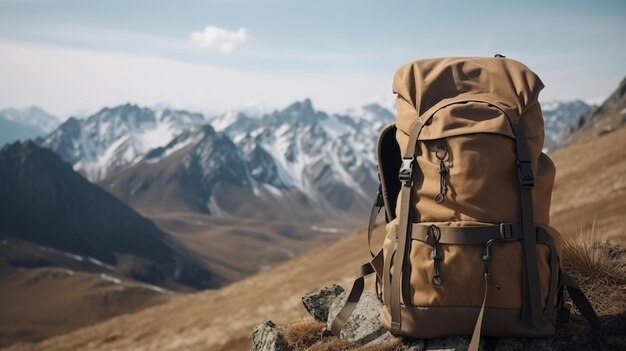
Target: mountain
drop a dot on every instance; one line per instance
(115, 137)
(591, 164)
(323, 163)
(606, 118)
(25, 124)
(559, 116)
(45, 202)
(257, 190)
(182, 175)
(328, 158)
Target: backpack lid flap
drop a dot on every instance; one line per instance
(425, 83)
(467, 118)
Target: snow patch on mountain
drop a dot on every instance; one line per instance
(116, 137)
(559, 116)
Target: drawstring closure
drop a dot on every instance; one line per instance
(441, 153)
(433, 235)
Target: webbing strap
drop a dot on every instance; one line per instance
(355, 293)
(580, 300)
(376, 207)
(407, 176)
(531, 304)
(387, 275)
(469, 235)
(475, 341)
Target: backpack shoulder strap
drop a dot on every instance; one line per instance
(389, 162)
(580, 300)
(406, 176)
(374, 266)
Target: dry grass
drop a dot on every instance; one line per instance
(599, 268)
(307, 334)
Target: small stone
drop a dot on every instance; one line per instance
(267, 337)
(363, 326)
(318, 302)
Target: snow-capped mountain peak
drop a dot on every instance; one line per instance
(558, 116)
(32, 116)
(115, 137)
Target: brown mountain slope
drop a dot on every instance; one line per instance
(590, 186)
(44, 201)
(235, 248)
(222, 319)
(61, 293)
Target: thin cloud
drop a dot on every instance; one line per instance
(220, 39)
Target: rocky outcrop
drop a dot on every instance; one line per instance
(268, 337)
(318, 302)
(363, 326)
(364, 331)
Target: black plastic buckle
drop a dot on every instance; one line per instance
(508, 231)
(406, 170)
(525, 171)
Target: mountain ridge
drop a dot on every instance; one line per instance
(22, 124)
(46, 202)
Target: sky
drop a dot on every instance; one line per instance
(73, 57)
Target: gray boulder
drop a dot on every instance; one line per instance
(267, 337)
(363, 326)
(318, 302)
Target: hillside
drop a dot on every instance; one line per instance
(590, 186)
(33, 310)
(45, 202)
(200, 321)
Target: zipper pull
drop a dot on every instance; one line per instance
(441, 153)
(487, 260)
(433, 235)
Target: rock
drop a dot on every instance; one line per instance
(363, 326)
(412, 345)
(454, 343)
(318, 302)
(267, 337)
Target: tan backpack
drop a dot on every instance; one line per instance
(466, 189)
